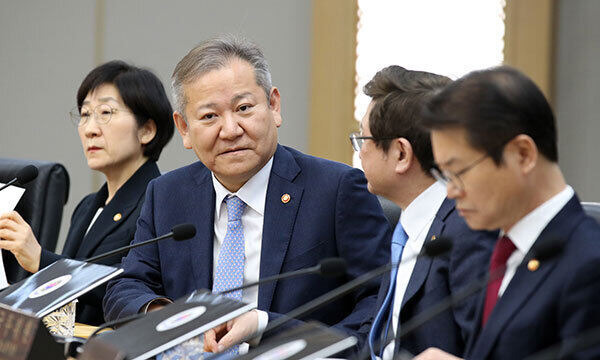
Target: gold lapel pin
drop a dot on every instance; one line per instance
(117, 217)
(285, 198)
(433, 237)
(533, 264)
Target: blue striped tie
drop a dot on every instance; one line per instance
(398, 241)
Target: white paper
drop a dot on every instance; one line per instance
(9, 198)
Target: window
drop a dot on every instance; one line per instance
(445, 37)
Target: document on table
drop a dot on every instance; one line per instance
(9, 198)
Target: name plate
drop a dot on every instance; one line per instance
(23, 336)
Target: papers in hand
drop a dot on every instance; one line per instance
(9, 198)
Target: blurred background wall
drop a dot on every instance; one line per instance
(47, 47)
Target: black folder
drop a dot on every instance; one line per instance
(163, 329)
(56, 285)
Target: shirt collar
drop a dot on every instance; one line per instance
(253, 192)
(524, 233)
(422, 209)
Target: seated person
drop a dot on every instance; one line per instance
(259, 208)
(396, 155)
(494, 139)
(123, 118)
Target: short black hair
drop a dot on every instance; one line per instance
(142, 92)
(494, 106)
(399, 95)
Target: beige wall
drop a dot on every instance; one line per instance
(47, 47)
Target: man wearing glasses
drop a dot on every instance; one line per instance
(396, 156)
(494, 140)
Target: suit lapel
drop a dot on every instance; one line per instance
(80, 223)
(200, 247)
(279, 220)
(423, 264)
(118, 209)
(524, 283)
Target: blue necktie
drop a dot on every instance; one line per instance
(230, 265)
(229, 274)
(384, 316)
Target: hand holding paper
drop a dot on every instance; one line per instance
(9, 197)
(17, 237)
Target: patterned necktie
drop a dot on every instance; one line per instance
(381, 322)
(502, 251)
(230, 264)
(229, 274)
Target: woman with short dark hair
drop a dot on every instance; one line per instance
(123, 118)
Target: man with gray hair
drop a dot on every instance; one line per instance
(259, 208)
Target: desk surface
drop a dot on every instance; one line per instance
(84, 331)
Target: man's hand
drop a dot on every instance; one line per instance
(435, 354)
(225, 335)
(16, 236)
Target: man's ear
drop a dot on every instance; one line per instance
(403, 153)
(275, 105)
(183, 129)
(523, 150)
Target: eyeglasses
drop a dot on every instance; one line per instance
(103, 113)
(445, 176)
(357, 140)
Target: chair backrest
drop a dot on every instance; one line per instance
(390, 210)
(41, 206)
(592, 209)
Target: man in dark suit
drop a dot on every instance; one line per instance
(396, 156)
(494, 139)
(295, 209)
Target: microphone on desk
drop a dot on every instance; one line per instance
(178, 232)
(25, 175)
(430, 249)
(329, 267)
(542, 251)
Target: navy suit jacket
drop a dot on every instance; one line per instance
(435, 279)
(330, 214)
(106, 234)
(557, 301)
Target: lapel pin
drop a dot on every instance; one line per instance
(433, 237)
(533, 264)
(285, 198)
(117, 217)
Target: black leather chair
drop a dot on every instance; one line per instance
(391, 210)
(41, 206)
(592, 209)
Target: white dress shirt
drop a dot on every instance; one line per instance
(526, 231)
(416, 220)
(253, 193)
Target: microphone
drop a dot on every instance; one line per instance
(329, 267)
(431, 249)
(542, 251)
(25, 175)
(178, 232)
